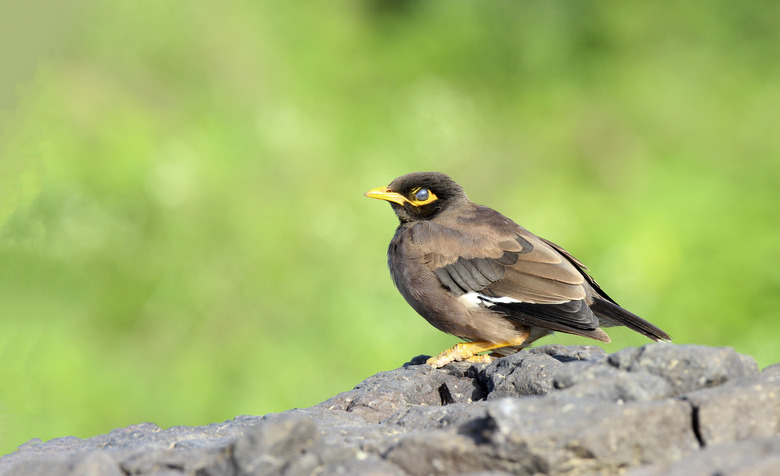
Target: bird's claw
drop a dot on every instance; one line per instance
(460, 352)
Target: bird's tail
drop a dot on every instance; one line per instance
(620, 316)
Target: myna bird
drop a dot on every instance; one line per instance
(474, 273)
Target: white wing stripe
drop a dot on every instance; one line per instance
(480, 300)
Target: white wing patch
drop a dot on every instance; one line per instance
(473, 299)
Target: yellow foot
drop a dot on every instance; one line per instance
(481, 359)
(468, 351)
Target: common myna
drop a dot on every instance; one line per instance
(474, 273)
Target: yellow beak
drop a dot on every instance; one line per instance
(384, 193)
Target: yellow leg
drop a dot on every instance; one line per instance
(469, 350)
(481, 359)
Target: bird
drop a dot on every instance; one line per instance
(474, 273)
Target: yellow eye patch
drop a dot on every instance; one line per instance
(422, 196)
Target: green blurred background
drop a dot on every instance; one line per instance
(182, 233)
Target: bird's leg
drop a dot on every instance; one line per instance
(481, 359)
(469, 350)
(465, 351)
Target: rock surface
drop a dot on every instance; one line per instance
(655, 410)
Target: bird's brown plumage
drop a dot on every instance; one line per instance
(476, 274)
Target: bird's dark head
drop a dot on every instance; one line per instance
(419, 195)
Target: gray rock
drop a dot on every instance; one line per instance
(379, 396)
(97, 463)
(741, 409)
(659, 409)
(521, 374)
(587, 435)
(755, 457)
(370, 466)
(602, 381)
(278, 445)
(686, 367)
(574, 353)
(442, 453)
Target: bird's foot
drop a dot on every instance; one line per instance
(481, 359)
(469, 351)
(463, 351)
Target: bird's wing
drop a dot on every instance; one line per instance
(509, 269)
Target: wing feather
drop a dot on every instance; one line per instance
(462, 269)
(535, 289)
(573, 317)
(495, 257)
(446, 279)
(489, 268)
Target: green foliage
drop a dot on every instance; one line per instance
(183, 236)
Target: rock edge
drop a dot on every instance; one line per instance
(658, 409)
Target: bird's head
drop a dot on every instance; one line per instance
(420, 195)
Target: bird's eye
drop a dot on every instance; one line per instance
(421, 195)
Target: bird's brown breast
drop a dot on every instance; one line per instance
(411, 268)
